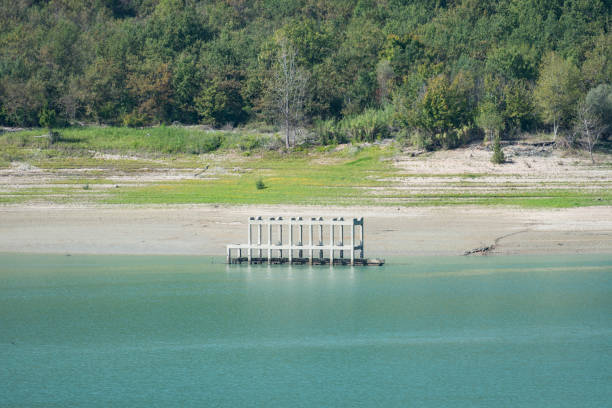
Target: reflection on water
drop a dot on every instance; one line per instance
(189, 331)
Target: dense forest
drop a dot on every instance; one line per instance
(431, 69)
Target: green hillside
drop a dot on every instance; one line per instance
(440, 72)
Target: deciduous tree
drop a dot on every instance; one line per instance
(557, 91)
(288, 89)
(594, 117)
(589, 127)
(489, 119)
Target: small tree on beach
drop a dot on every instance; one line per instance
(48, 119)
(498, 154)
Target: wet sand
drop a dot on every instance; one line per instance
(205, 230)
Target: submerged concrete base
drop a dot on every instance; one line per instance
(305, 261)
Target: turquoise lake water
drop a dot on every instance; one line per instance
(130, 331)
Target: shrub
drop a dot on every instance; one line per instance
(250, 142)
(10, 154)
(498, 154)
(421, 140)
(329, 132)
(134, 120)
(207, 143)
(368, 126)
(48, 119)
(260, 184)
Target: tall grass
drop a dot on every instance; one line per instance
(368, 126)
(162, 139)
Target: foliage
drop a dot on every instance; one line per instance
(134, 119)
(148, 62)
(489, 119)
(594, 117)
(444, 110)
(557, 90)
(597, 66)
(519, 112)
(368, 126)
(329, 132)
(498, 155)
(48, 118)
(221, 103)
(155, 140)
(599, 103)
(259, 184)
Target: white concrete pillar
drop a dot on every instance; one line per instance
(362, 239)
(331, 244)
(301, 241)
(269, 243)
(249, 249)
(310, 245)
(342, 240)
(290, 242)
(259, 239)
(321, 242)
(280, 238)
(353, 244)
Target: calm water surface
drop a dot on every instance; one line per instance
(100, 331)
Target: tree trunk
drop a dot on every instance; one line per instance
(51, 136)
(590, 144)
(287, 133)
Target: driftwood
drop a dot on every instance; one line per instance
(484, 250)
(479, 251)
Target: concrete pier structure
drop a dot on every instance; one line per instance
(341, 239)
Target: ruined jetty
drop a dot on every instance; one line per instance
(275, 240)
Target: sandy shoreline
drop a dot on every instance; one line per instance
(205, 229)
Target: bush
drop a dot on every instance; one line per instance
(448, 140)
(421, 140)
(134, 120)
(456, 137)
(54, 137)
(498, 154)
(260, 184)
(329, 132)
(47, 118)
(368, 126)
(206, 143)
(599, 103)
(250, 142)
(11, 154)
